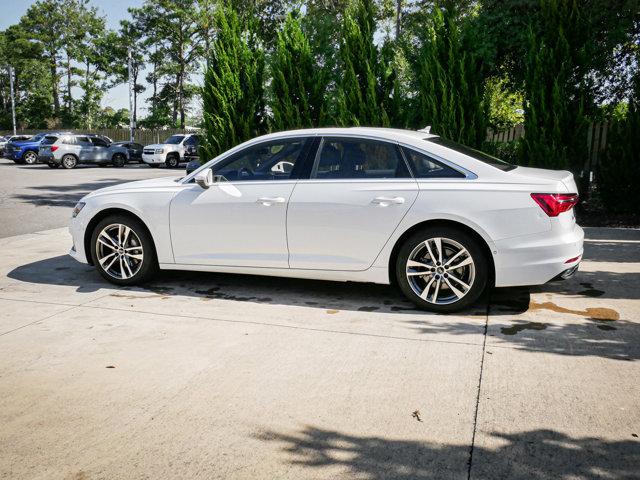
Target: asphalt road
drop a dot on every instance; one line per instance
(36, 197)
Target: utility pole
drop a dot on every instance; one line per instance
(13, 100)
(131, 87)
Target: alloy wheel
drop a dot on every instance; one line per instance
(119, 251)
(440, 271)
(30, 158)
(69, 161)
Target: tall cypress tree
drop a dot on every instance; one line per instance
(554, 122)
(363, 88)
(449, 81)
(299, 84)
(233, 94)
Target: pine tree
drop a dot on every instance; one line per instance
(449, 82)
(233, 93)
(363, 88)
(554, 122)
(299, 84)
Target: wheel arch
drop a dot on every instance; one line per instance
(441, 223)
(88, 232)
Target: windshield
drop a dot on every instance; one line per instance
(174, 139)
(470, 152)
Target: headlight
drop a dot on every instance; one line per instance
(76, 210)
(159, 150)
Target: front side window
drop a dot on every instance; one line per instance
(99, 142)
(192, 141)
(426, 167)
(273, 160)
(174, 140)
(346, 158)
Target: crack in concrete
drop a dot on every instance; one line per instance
(475, 416)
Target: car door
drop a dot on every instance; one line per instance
(100, 149)
(342, 216)
(84, 148)
(241, 220)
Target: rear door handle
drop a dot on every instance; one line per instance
(386, 201)
(268, 201)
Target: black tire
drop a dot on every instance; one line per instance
(173, 161)
(149, 262)
(30, 157)
(477, 272)
(119, 160)
(53, 165)
(153, 165)
(69, 161)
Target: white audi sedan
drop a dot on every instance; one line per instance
(442, 221)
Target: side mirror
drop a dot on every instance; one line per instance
(204, 178)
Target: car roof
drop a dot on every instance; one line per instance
(395, 134)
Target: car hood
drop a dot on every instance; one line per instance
(140, 185)
(25, 143)
(161, 145)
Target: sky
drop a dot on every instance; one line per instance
(113, 10)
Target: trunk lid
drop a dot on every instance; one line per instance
(560, 178)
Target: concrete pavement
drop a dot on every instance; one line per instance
(223, 376)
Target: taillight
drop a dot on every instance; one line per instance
(554, 204)
(54, 148)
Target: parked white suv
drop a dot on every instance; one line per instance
(175, 149)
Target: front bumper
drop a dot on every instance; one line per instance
(537, 259)
(155, 159)
(77, 227)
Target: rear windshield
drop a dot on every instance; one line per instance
(49, 140)
(174, 139)
(470, 152)
(38, 137)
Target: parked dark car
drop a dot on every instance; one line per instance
(134, 149)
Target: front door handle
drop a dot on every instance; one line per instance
(386, 201)
(268, 201)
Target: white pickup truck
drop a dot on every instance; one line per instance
(175, 150)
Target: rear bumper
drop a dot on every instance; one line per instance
(537, 259)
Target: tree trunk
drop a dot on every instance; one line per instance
(54, 83)
(398, 17)
(69, 107)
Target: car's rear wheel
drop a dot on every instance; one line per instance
(118, 160)
(69, 162)
(30, 158)
(173, 161)
(442, 269)
(122, 250)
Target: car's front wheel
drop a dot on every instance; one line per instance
(122, 250)
(172, 161)
(30, 158)
(442, 269)
(119, 160)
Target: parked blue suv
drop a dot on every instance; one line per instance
(24, 151)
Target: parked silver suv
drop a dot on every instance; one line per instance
(71, 149)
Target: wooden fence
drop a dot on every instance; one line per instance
(145, 137)
(596, 140)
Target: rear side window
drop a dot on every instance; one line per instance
(470, 152)
(49, 140)
(426, 167)
(349, 158)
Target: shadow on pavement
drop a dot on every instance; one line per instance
(541, 454)
(64, 195)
